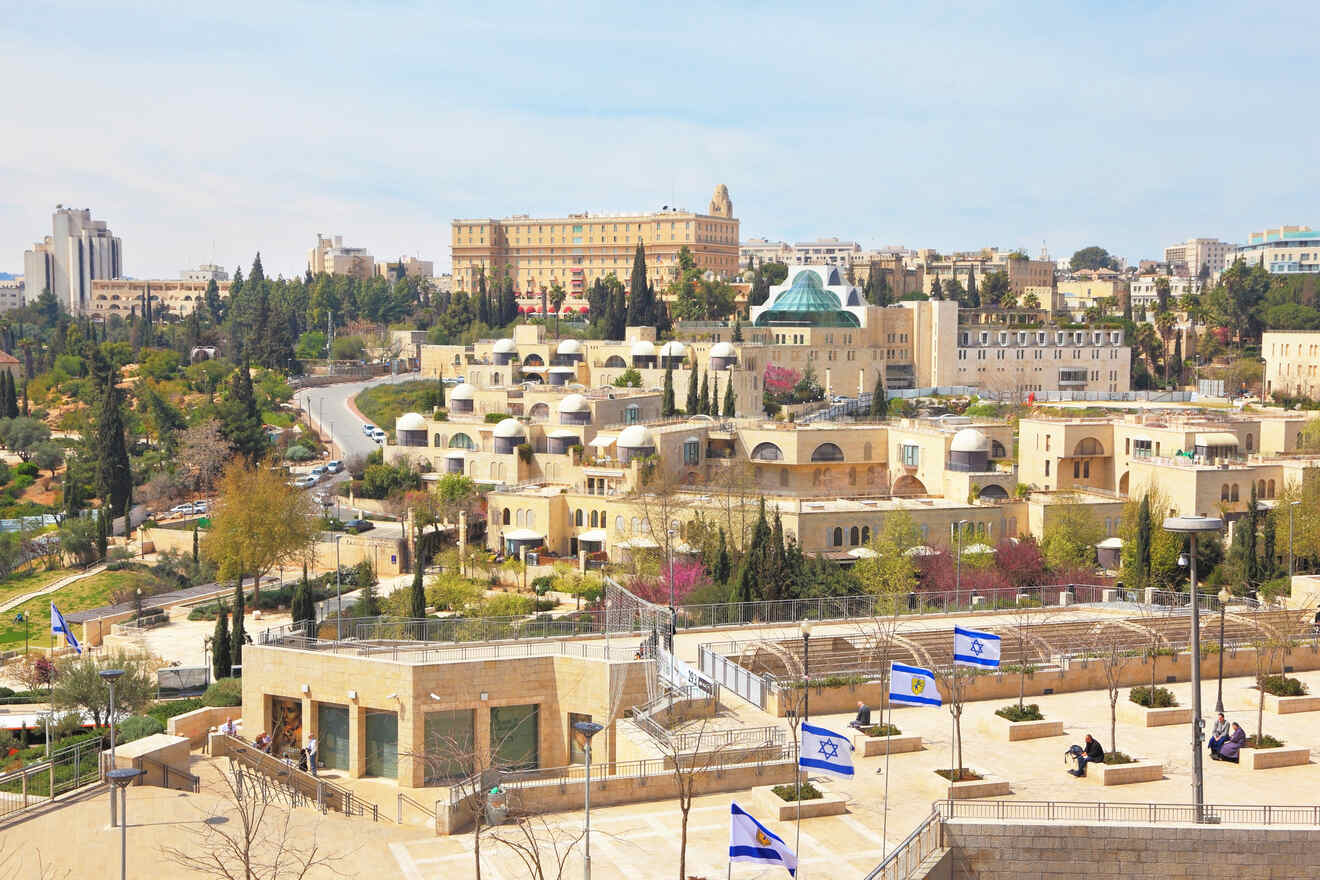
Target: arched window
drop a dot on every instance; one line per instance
(1223, 492)
(1270, 490)
(604, 519)
(815, 476)
(1086, 469)
(540, 412)
(615, 361)
(519, 519)
(1088, 446)
(997, 450)
(506, 516)
(577, 517)
(595, 519)
(618, 525)
(461, 441)
(1236, 495)
(836, 537)
(636, 524)
(827, 452)
(531, 519)
(439, 440)
(533, 360)
(767, 452)
(1260, 489)
(866, 534)
(854, 536)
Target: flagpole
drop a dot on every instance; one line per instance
(884, 833)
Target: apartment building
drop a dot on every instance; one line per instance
(1145, 294)
(405, 267)
(1292, 363)
(573, 251)
(66, 262)
(1282, 250)
(205, 272)
(127, 297)
(1073, 296)
(1197, 255)
(1028, 356)
(11, 294)
(333, 258)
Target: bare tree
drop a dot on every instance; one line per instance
(543, 848)
(735, 485)
(203, 452)
(662, 499)
(257, 842)
(690, 768)
(951, 680)
(14, 863)
(1022, 623)
(1107, 644)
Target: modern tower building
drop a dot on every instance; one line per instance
(65, 263)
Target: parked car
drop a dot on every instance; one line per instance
(306, 481)
(335, 466)
(378, 435)
(354, 526)
(369, 429)
(452, 380)
(320, 471)
(181, 510)
(201, 506)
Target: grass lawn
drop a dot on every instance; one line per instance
(91, 592)
(382, 404)
(28, 580)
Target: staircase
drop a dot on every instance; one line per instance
(264, 773)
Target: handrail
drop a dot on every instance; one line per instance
(194, 782)
(1144, 813)
(83, 757)
(323, 793)
(915, 848)
(404, 799)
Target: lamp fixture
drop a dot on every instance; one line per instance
(352, 695)
(435, 697)
(306, 688)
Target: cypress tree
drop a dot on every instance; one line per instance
(440, 392)
(667, 407)
(775, 563)
(102, 531)
(703, 404)
(692, 398)
(114, 474)
(304, 607)
(879, 403)
(1267, 568)
(723, 566)
(640, 312)
(973, 298)
(195, 545)
(508, 302)
(240, 420)
(714, 397)
(417, 597)
(730, 404)
(25, 399)
(483, 310)
(1143, 543)
(11, 396)
(221, 662)
(937, 289)
(237, 639)
(737, 328)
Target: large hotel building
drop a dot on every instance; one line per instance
(573, 251)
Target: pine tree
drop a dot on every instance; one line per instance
(737, 328)
(221, 649)
(973, 298)
(417, 598)
(703, 404)
(879, 402)
(240, 420)
(693, 399)
(714, 397)
(730, 403)
(667, 407)
(640, 311)
(239, 635)
(114, 473)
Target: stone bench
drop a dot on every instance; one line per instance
(1018, 731)
(1125, 774)
(780, 810)
(1143, 717)
(1284, 756)
(870, 746)
(1290, 705)
(986, 786)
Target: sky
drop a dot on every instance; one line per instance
(212, 131)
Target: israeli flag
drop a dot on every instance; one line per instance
(974, 648)
(912, 686)
(750, 841)
(59, 627)
(825, 750)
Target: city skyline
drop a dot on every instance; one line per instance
(209, 139)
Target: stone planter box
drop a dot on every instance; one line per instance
(1289, 705)
(1016, 731)
(870, 746)
(784, 811)
(1284, 756)
(1143, 717)
(987, 786)
(1125, 774)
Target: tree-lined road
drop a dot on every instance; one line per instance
(328, 406)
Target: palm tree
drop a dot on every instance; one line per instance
(557, 297)
(1165, 326)
(1031, 301)
(1148, 343)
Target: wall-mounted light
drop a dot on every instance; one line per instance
(485, 696)
(435, 697)
(392, 697)
(306, 688)
(352, 695)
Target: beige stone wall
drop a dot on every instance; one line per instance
(1067, 851)
(195, 725)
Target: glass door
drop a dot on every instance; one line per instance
(514, 737)
(382, 744)
(332, 736)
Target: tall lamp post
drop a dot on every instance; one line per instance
(110, 676)
(339, 596)
(1224, 596)
(587, 729)
(805, 628)
(120, 780)
(1193, 526)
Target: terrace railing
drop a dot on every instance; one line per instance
(44, 781)
(1305, 815)
(918, 846)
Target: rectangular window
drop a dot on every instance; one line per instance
(382, 744)
(332, 736)
(449, 744)
(911, 455)
(514, 742)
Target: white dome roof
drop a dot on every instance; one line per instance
(509, 428)
(410, 422)
(643, 348)
(969, 440)
(674, 349)
(505, 346)
(569, 346)
(635, 437)
(574, 403)
(723, 350)
(463, 391)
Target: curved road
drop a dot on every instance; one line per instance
(328, 406)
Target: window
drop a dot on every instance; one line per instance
(1047, 467)
(1223, 492)
(450, 727)
(854, 536)
(1236, 495)
(691, 450)
(827, 452)
(577, 518)
(866, 534)
(767, 452)
(911, 454)
(632, 414)
(618, 525)
(513, 737)
(595, 518)
(836, 537)
(506, 516)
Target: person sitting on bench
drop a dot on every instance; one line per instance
(1230, 750)
(1092, 753)
(1218, 736)
(863, 718)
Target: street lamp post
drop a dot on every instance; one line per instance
(339, 596)
(1224, 596)
(110, 676)
(120, 780)
(805, 628)
(1193, 526)
(587, 729)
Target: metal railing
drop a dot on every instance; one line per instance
(740, 738)
(44, 781)
(420, 807)
(193, 783)
(915, 849)
(1150, 814)
(299, 785)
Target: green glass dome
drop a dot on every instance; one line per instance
(807, 303)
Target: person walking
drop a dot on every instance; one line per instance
(311, 754)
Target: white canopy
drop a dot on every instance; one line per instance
(922, 550)
(523, 535)
(638, 543)
(603, 441)
(978, 548)
(863, 553)
(595, 536)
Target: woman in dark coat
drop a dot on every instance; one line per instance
(1230, 751)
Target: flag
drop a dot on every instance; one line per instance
(974, 648)
(750, 841)
(59, 627)
(825, 750)
(913, 686)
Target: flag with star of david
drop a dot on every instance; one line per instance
(975, 648)
(826, 751)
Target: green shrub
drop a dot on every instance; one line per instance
(297, 452)
(27, 469)
(882, 730)
(139, 726)
(225, 692)
(1283, 686)
(1119, 758)
(167, 709)
(507, 605)
(6, 692)
(804, 792)
(495, 418)
(1268, 741)
(1163, 698)
(542, 584)
(1028, 712)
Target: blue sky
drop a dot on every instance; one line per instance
(227, 128)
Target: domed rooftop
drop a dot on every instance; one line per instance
(723, 350)
(969, 440)
(462, 391)
(574, 403)
(410, 422)
(807, 303)
(509, 428)
(635, 437)
(643, 348)
(674, 349)
(505, 346)
(569, 346)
